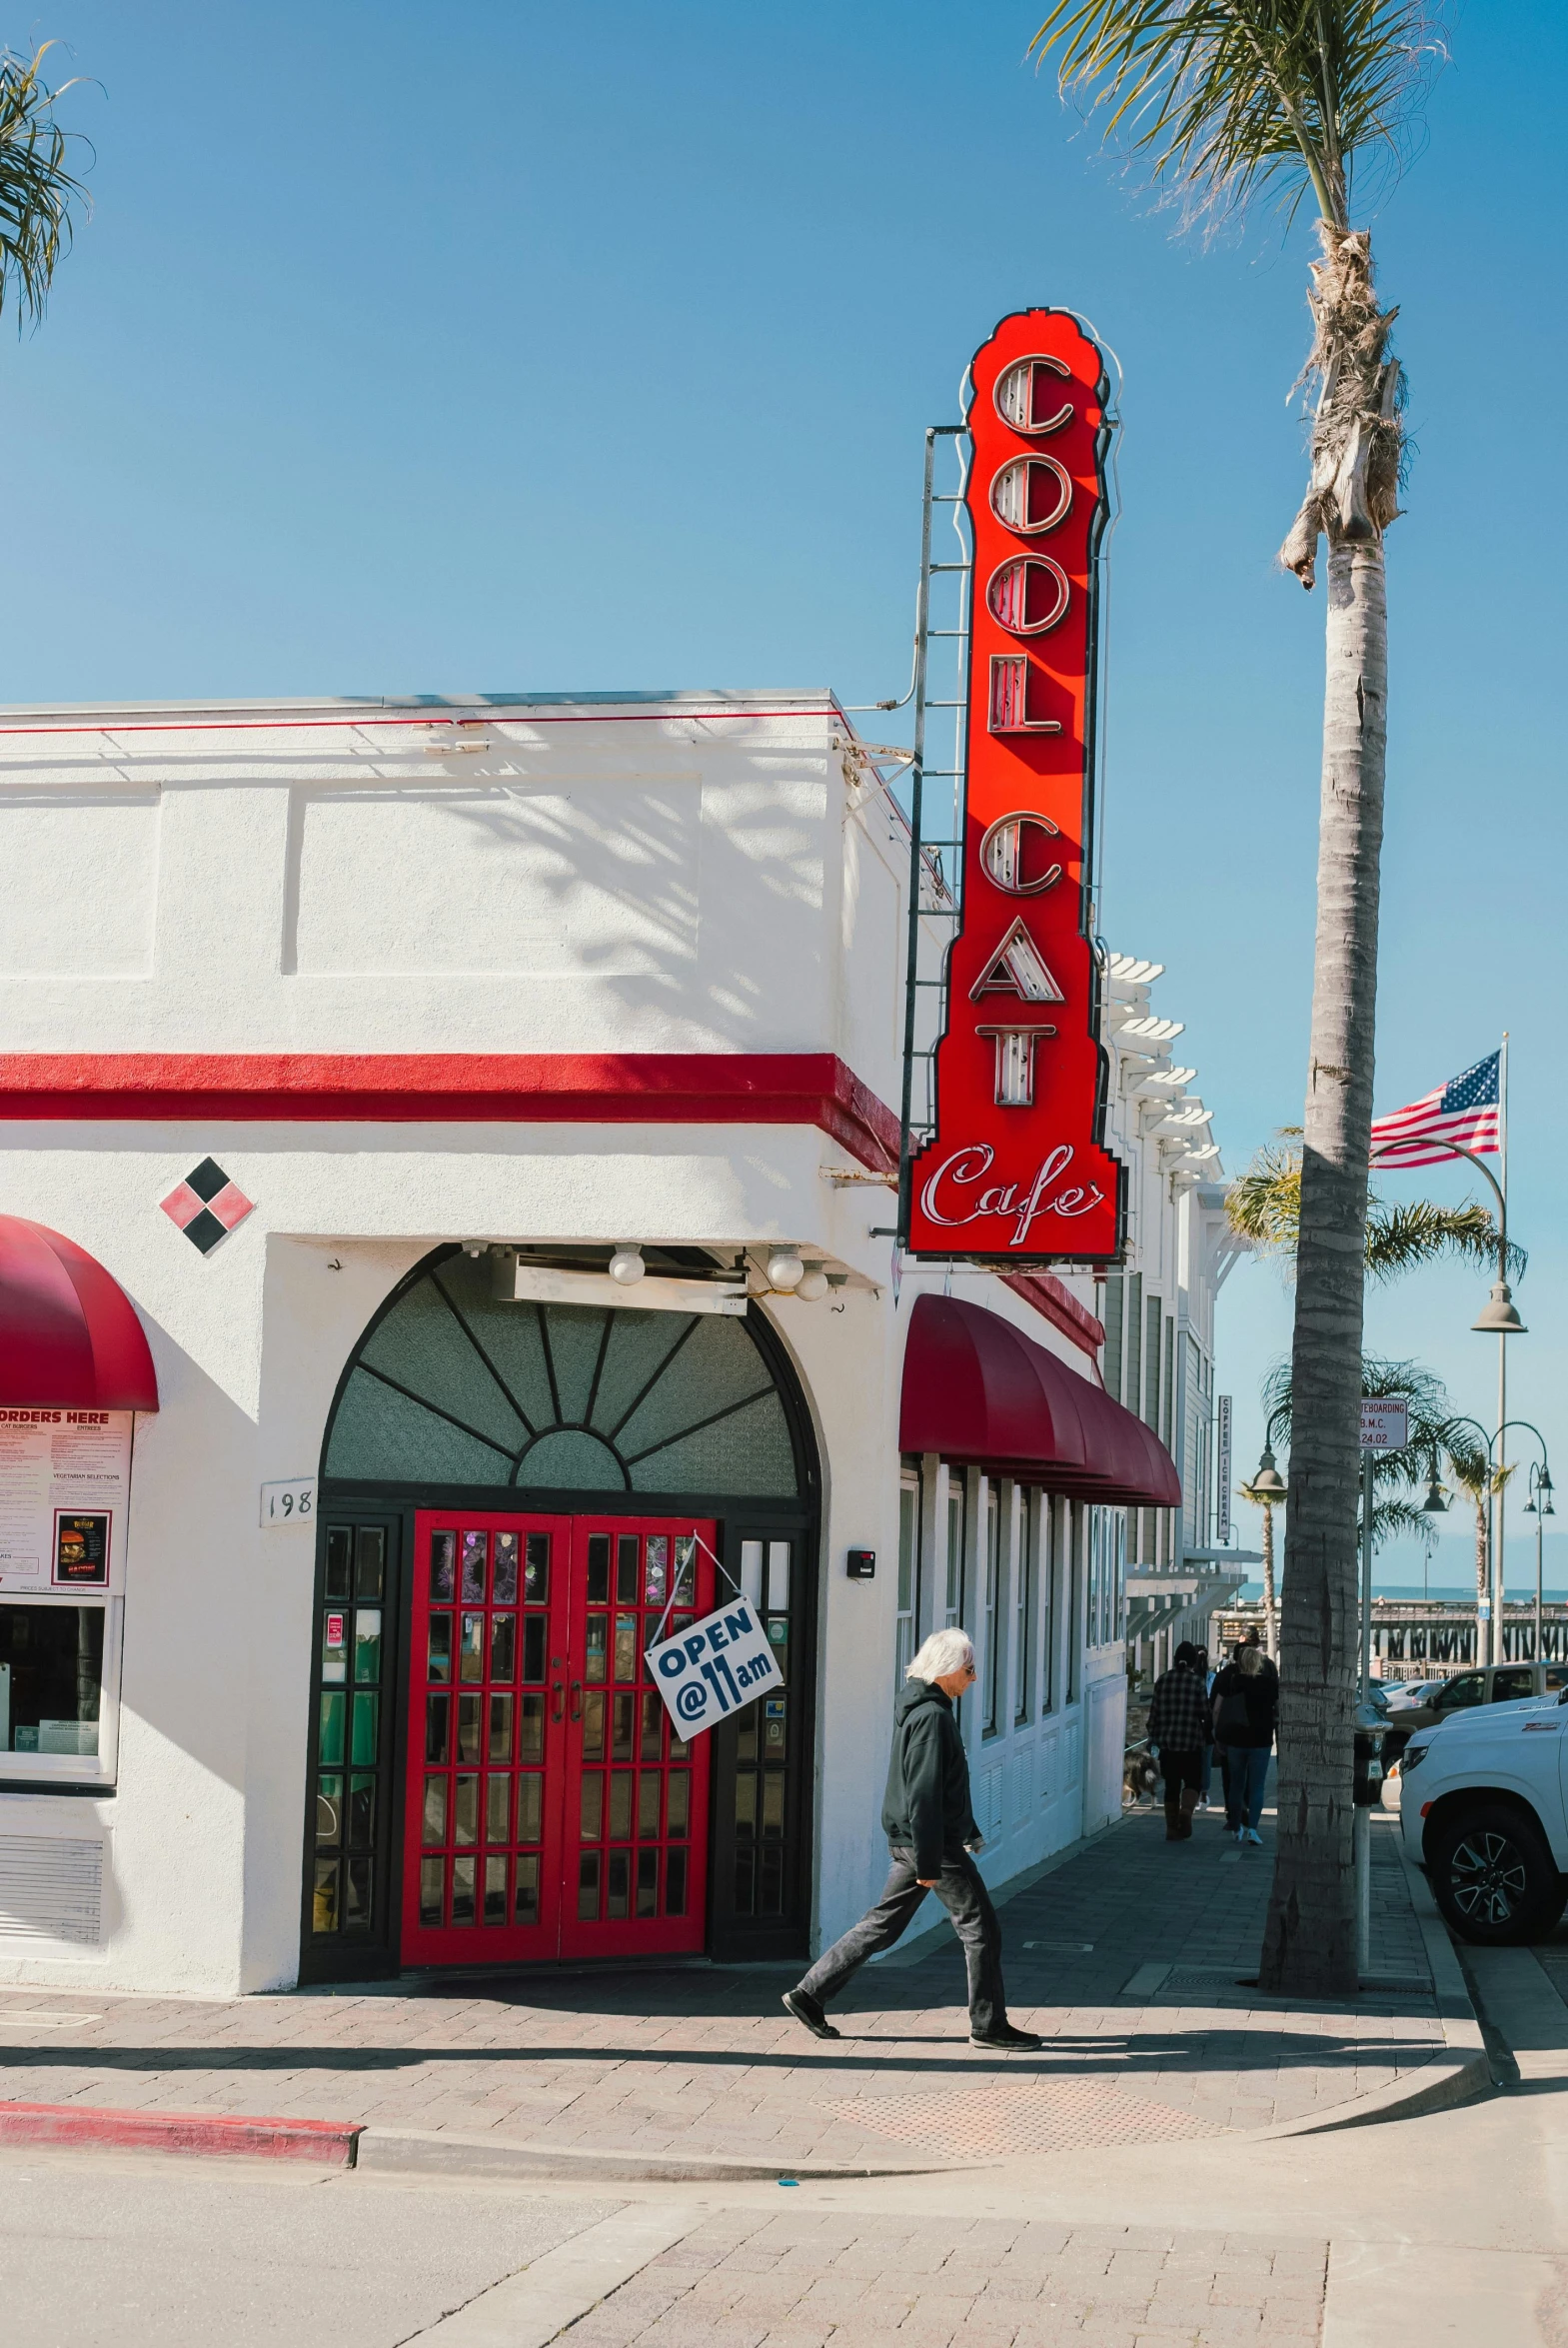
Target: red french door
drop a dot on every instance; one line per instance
(551, 1811)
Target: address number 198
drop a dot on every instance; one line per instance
(292, 1502)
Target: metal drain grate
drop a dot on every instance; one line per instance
(1038, 2115)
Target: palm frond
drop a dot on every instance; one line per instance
(1391, 1518)
(36, 189)
(1399, 1237)
(1264, 1203)
(1431, 1418)
(1227, 97)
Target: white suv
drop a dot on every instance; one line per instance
(1484, 1809)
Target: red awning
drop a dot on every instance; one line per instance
(979, 1391)
(68, 1335)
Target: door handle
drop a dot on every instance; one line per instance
(577, 1700)
(557, 1713)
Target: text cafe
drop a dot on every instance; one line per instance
(479, 1433)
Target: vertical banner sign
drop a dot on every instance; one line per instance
(1018, 1168)
(1222, 1474)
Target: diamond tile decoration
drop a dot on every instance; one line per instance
(206, 1207)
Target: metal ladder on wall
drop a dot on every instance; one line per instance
(937, 803)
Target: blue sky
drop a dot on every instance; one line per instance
(505, 346)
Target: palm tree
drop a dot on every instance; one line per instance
(1266, 1501)
(1225, 99)
(1264, 1206)
(1480, 1481)
(36, 189)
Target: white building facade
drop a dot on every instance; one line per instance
(350, 1042)
(1158, 1310)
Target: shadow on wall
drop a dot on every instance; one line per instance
(559, 858)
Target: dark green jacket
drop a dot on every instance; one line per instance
(927, 1807)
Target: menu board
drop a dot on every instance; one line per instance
(65, 1486)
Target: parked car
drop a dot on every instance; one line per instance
(1401, 1692)
(1494, 1683)
(1483, 1808)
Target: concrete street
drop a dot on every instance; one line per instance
(1445, 2229)
(1143, 2184)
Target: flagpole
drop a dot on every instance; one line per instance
(1500, 1496)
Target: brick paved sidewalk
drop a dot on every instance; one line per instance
(702, 2060)
(745, 2281)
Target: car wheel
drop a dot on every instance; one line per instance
(1495, 1878)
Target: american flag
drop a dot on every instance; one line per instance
(1464, 1110)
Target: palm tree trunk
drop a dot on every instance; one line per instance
(1271, 1601)
(1310, 1940)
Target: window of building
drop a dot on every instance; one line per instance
(906, 1635)
(1075, 1624)
(992, 1584)
(953, 1609)
(59, 1665)
(1045, 1521)
(1024, 1602)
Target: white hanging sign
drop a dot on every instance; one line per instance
(714, 1667)
(1385, 1422)
(1222, 1473)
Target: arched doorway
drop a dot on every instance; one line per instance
(511, 1497)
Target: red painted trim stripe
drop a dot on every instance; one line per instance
(445, 1087)
(325, 2143)
(1061, 1306)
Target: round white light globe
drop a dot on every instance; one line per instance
(784, 1269)
(627, 1266)
(813, 1284)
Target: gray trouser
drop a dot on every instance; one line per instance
(963, 1894)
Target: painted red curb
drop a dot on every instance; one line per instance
(328, 2143)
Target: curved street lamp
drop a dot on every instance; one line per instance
(1499, 1317)
(1538, 1505)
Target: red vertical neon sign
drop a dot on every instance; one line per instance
(1018, 1168)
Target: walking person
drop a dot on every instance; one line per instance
(1177, 1721)
(1246, 1710)
(1206, 1774)
(931, 1833)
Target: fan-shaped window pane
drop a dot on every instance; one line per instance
(717, 1365)
(750, 1451)
(425, 1347)
(570, 1460)
(379, 1436)
(640, 1344)
(559, 1398)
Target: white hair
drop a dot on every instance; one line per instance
(945, 1651)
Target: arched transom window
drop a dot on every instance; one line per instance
(454, 1385)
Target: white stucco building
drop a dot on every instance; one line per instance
(1158, 1310)
(416, 1013)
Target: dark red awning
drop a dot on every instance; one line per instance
(68, 1335)
(979, 1391)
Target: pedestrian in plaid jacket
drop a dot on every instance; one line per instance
(1180, 1728)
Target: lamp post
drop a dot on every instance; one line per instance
(1269, 1491)
(1539, 1505)
(1498, 1317)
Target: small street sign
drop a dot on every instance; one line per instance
(1385, 1422)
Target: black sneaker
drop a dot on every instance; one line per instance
(807, 2011)
(1005, 2038)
